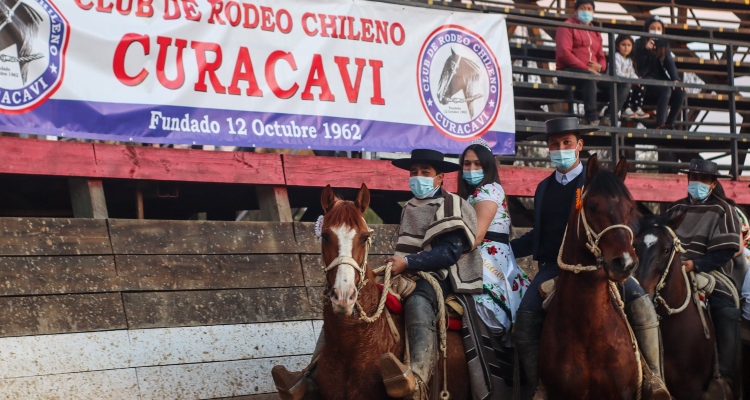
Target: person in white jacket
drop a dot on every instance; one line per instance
(629, 96)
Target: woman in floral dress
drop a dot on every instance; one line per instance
(504, 282)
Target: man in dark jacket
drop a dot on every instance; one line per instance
(553, 202)
(654, 61)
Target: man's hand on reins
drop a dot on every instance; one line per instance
(689, 265)
(399, 264)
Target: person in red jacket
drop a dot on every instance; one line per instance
(581, 51)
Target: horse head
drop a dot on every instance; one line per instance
(344, 239)
(447, 78)
(656, 248)
(609, 217)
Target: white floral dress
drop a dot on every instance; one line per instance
(504, 282)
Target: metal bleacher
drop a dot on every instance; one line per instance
(704, 46)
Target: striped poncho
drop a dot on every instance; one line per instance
(422, 221)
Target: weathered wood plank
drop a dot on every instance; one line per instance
(383, 239)
(350, 173)
(213, 380)
(313, 270)
(265, 396)
(39, 315)
(87, 198)
(215, 307)
(315, 298)
(120, 384)
(43, 157)
(201, 237)
(274, 203)
(136, 162)
(57, 275)
(64, 353)
(53, 236)
(188, 272)
(167, 346)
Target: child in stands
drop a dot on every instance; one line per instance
(629, 96)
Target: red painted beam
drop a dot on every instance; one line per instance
(42, 157)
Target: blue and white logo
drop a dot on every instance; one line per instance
(33, 39)
(459, 82)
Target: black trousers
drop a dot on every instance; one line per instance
(672, 97)
(588, 91)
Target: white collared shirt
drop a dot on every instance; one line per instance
(570, 176)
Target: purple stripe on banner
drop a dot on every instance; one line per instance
(187, 125)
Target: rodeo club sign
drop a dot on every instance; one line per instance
(341, 74)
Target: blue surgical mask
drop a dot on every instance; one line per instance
(473, 176)
(585, 16)
(698, 190)
(563, 159)
(421, 186)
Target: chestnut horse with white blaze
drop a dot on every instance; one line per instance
(348, 366)
(586, 350)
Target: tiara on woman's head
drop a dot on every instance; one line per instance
(483, 143)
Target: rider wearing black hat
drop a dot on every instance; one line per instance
(710, 234)
(553, 202)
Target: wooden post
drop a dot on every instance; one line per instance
(139, 201)
(87, 198)
(274, 203)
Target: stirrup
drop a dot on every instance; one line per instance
(291, 385)
(657, 388)
(399, 379)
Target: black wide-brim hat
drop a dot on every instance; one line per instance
(704, 167)
(426, 156)
(559, 126)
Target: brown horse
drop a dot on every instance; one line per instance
(348, 367)
(586, 351)
(688, 353)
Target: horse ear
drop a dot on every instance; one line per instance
(327, 199)
(676, 220)
(592, 168)
(363, 198)
(453, 53)
(621, 170)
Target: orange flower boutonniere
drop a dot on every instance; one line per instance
(579, 203)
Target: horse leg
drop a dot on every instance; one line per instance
(458, 369)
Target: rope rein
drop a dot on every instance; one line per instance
(676, 248)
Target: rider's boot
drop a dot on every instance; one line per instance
(727, 324)
(293, 385)
(411, 382)
(526, 335)
(645, 325)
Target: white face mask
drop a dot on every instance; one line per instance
(654, 32)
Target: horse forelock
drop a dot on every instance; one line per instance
(344, 212)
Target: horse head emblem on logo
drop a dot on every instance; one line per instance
(19, 25)
(460, 75)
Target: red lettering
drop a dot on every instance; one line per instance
(325, 25)
(145, 9)
(191, 14)
(161, 62)
(84, 6)
(124, 11)
(305, 28)
(228, 13)
(173, 15)
(216, 6)
(273, 84)
(266, 18)
(402, 37)
(101, 8)
(381, 27)
(247, 23)
(352, 89)
(377, 97)
(243, 71)
(288, 21)
(342, 27)
(351, 29)
(118, 62)
(317, 77)
(367, 35)
(207, 68)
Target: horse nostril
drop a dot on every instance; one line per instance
(335, 294)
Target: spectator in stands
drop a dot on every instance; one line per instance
(629, 96)
(581, 51)
(654, 61)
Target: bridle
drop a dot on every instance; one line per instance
(676, 248)
(454, 70)
(592, 241)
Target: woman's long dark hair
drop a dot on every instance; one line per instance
(659, 51)
(489, 167)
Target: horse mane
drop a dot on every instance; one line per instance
(28, 29)
(344, 212)
(655, 220)
(606, 183)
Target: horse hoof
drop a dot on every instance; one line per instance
(398, 379)
(291, 385)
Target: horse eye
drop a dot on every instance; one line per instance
(666, 251)
(325, 236)
(365, 238)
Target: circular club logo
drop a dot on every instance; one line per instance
(459, 82)
(33, 39)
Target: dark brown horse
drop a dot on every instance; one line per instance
(586, 351)
(348, 367)
(688, 353)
